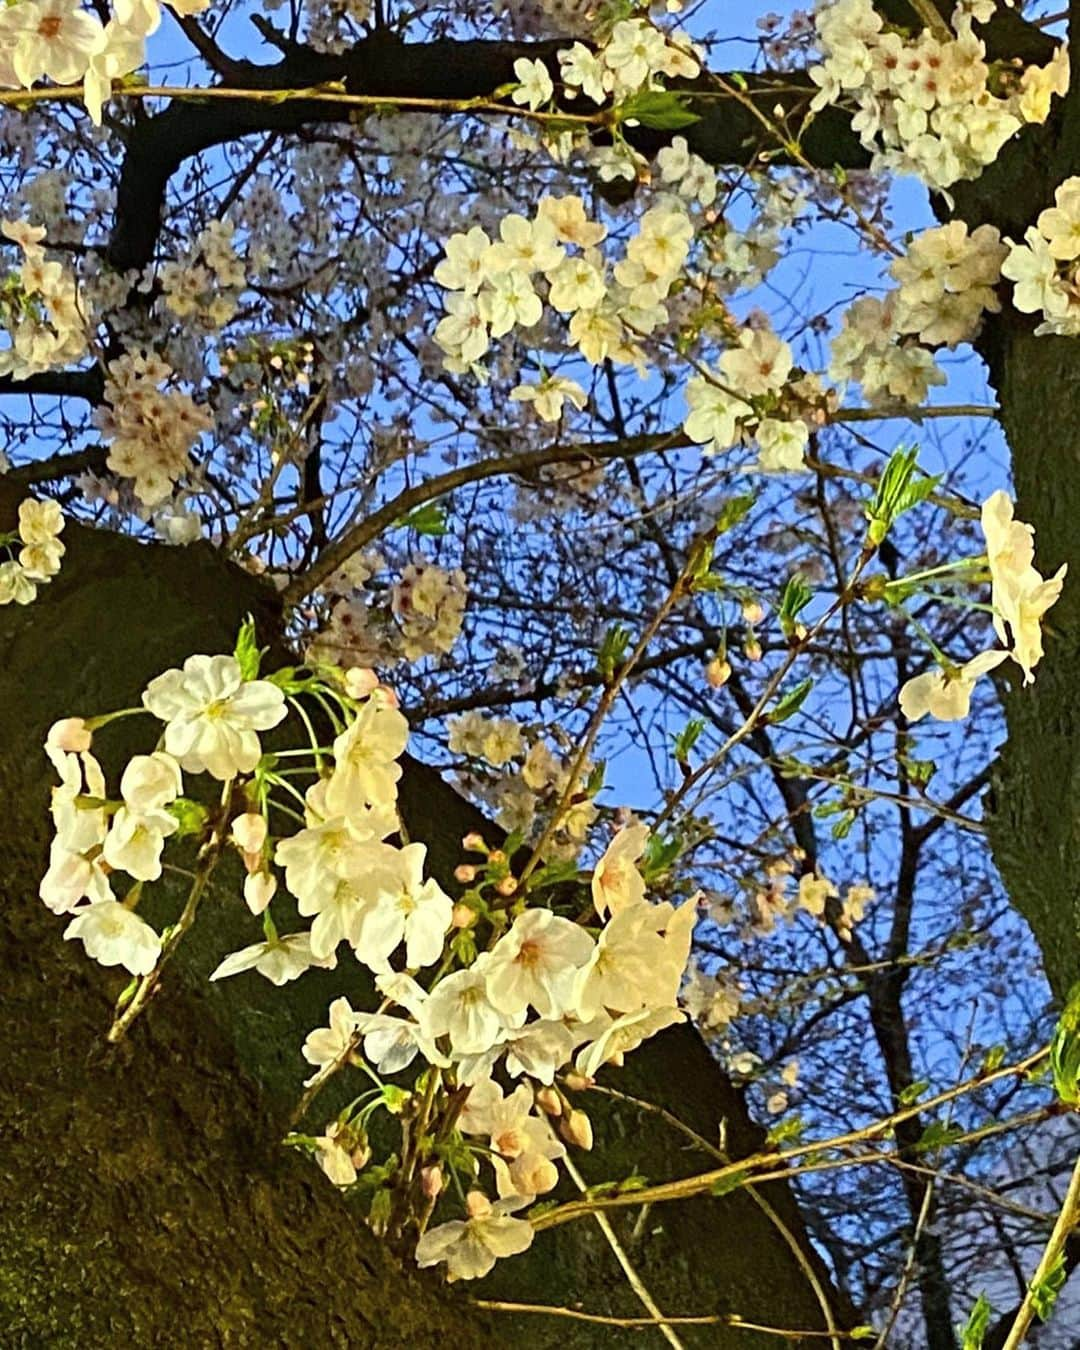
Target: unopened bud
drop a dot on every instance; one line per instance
(462, 916)
(465, 873)
(752, 612)
(549, 1101)
(576, 1129)
(249, 832)
(752, 649)
(359, 683)
(259, 890)
(496, 857)
(576, 1082)
(474, 843)
(718, 672)
(431, 1181)
(70, 734)
(507, 886)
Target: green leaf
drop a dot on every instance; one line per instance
(938, 1135)
(732, 1182)
(788, 1131)
(898, 490)
(429, 519)
(660, 109)
(734, 510)
(913, 1092)
(977, 1325)
(1044, 1293)
(688, 738)
(797, 595)
(659, 855)
(613, 649)
(791, 702)
(191, 817)
(247, 653)
(1065, 1051)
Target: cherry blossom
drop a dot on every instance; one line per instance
(212, 714)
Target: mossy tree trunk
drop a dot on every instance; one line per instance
(143, 1196)
(1035, 816)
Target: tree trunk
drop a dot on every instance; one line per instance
(1034, 818)
(143, 1197)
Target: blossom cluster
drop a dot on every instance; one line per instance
(533, 778)
(150, 431)
(946, 283)
(60, 41)
(496, 983)
(422, 616)
(1020, 596)
(40, 551)
(924, 104)
(206, 285)
(1044, 268)
(742, 398)
(41, 306)
(493, 285)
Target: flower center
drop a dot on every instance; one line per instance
(50, 26)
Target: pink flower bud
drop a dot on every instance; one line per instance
(431, 1181)
(462, 917)
(549, 1101)
(249, 832)
(70, 734)
(359, 683)
(474, 843)
(507, 886)
(718, 672)
(259, 890)
(465, 873)
(576, 1129)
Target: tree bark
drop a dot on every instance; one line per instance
(143, 1195)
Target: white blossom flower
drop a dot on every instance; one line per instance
(365, 760)
(52, 39)
(946, 695)
(150, 782)
(464, 266)
(623, 1035)
(627, 969)
(616, 882)
(279, 959)
(510, 300)
(470, 1247)
(406, 907)
(549, 395)
(115, 936)
(459, 1007)
(327, 1045)
(71, 878)
(16, 586)
(135, 841)
(535, 964)
(535, 88)
(212, 714)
